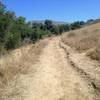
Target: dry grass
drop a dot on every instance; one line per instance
(85, 39)
(71, 34)
(94, 54)
(19, 61)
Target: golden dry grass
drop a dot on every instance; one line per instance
(84, 40)
(18, 62)
(94, 54)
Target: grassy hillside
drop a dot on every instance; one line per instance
(86, 39)
(18, 62)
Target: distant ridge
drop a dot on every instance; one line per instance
(54, 22)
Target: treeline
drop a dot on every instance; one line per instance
(15, 31)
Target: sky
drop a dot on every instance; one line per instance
(58, 10)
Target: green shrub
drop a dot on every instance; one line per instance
(13, 41)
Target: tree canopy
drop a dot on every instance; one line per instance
(15, 30)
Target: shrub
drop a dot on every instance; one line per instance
(95, 54)
(71, 34)
(13, 41)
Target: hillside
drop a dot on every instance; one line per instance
(56, 68)
(83, 50)
(86, 40)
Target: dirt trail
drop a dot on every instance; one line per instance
(54, 79)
